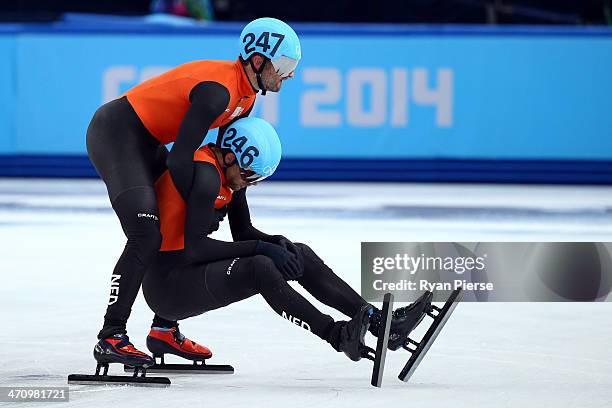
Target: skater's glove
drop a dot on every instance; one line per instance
(284, 260)
(291, 247)
(217, 219)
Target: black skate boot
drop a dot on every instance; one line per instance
(349, 337)
(352, 334)
(405, 320)
(118, 349)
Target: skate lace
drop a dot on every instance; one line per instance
(124, 343)
(178, 336)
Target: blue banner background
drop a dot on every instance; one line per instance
(7, 94)
(361, 94)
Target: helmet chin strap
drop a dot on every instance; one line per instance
(258, 74)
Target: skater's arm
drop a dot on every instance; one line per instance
(200, 216)
(240, 220)
(242, 228)
(208, 101)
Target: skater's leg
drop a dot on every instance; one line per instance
(128, 159)
(258, 274)
(159, 321)
(190, 290)
(143, 242)
(321, 282)
(194, 289)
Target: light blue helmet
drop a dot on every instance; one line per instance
(256, 146)
(273, 39)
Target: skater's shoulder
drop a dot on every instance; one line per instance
(208, 176)
(208, 69)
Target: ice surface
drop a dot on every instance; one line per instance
(60, 241)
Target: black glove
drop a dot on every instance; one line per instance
(284, 260)
(291, 247)
(217, 219)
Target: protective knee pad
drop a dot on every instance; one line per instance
(265, 272)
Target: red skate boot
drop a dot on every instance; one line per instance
(162, 341)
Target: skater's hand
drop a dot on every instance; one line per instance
(283, 259)
(291, 247)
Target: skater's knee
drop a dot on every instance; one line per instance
(137, 210)
(153, 241)
(302, 247)
(146, 244)
(307, 252)
(313, 265)
(265, 272)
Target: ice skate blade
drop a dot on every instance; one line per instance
(383, 341)
(87, 379)
(187, 369)
(430, 336)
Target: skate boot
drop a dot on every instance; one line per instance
(162, 341)
(405, 320)
(352, 334)
(118, 349)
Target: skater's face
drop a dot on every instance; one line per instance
(271, 80)
(235, 177)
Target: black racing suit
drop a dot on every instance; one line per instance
(209, 274)
(129, 160)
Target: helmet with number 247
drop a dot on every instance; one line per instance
(274, 40)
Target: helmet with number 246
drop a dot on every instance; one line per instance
(256, 146)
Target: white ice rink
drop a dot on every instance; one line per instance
(60, 240)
